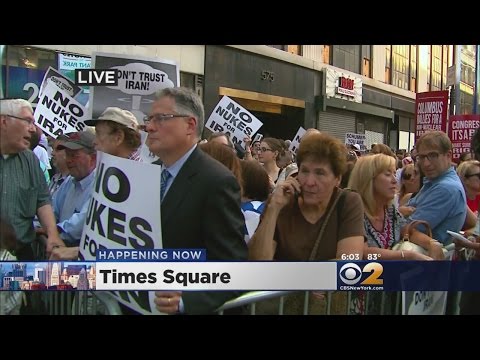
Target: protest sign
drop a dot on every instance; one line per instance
(58, 113)
(121, 217)
(138, 81)
(234, 120)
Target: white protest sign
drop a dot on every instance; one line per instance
(424, 302)
(145, 154)
(65, 84)
(234, 120)
(124, 213)
(58, 113)
(72, 62)
(360, 139)
(296, 140)
(139, 78)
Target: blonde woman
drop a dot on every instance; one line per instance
(469, 173)
(373, 177)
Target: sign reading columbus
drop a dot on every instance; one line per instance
(431, 112)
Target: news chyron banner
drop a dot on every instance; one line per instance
(234, 120)
(139, 78)
(431, 110)
(460, 131)
(124, 213)
(57, 112)
(215, 276)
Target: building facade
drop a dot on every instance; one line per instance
(363, 89)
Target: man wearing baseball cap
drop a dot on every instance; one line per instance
(70, 203)
(116, 133)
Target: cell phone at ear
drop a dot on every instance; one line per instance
(296, 194)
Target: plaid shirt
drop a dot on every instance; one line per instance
(135, 156)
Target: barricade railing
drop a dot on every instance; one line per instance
(80, 303)
(39, 248)
(345, 303)
(253, 303)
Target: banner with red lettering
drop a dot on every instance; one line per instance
(431, 112)
(460, 132)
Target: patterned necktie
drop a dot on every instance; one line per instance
(163, 183)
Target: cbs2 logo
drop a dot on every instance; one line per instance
(350, 274)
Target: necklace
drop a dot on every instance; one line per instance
(383, 237)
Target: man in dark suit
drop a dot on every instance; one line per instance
(200, 197)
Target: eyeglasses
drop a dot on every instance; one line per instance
(430, 156)
(161, 117)
(27, 120)
(264, 149)
(470, 175)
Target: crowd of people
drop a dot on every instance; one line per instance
(259, 201)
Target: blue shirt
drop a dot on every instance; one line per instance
(442, 203)
(251, 211)
(70, 206)
(176, 167)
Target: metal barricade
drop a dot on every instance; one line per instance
(80, 303)
(370, 304)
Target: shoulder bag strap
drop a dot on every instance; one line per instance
(412, 225)
(324, 225)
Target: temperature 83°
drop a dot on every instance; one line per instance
(373, 256)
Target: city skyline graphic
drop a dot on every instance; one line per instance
(47, 276)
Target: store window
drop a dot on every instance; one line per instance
(400, 66)
(413, 67)
(366, 60)
(436, 68)
(467, 78)
(406, 135)
(25, 70)
(444, 66)
(3, 69)
(347, 57)
(429, 66)
(388, 63)
(326, 54)
(293, 49)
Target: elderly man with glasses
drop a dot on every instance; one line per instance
(23, 189)
(441, 201)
